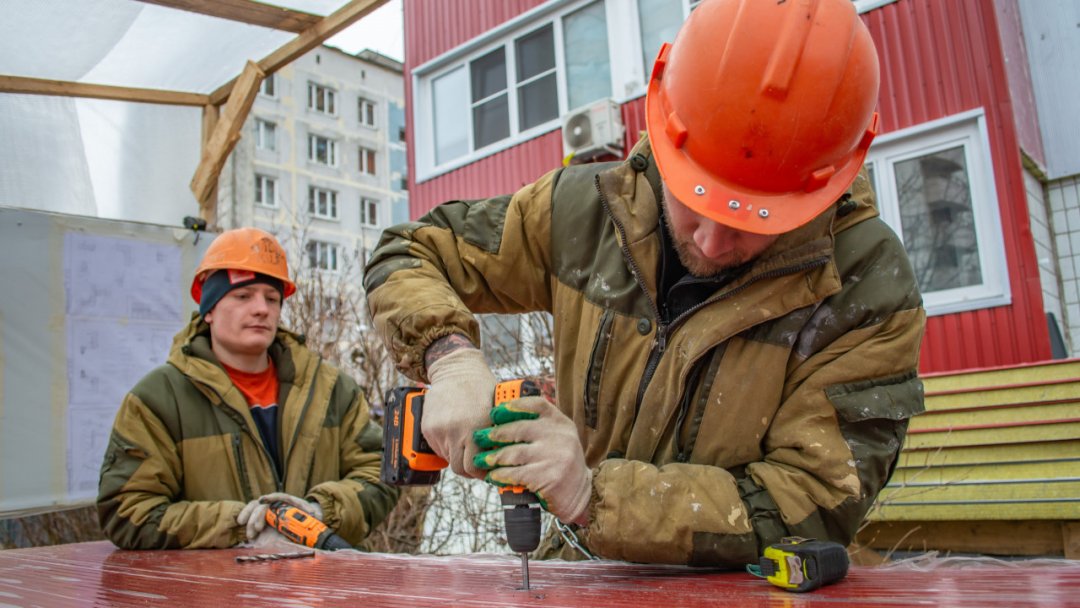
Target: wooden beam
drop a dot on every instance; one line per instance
(208, 205)
(246, 11)
(227, 132)
(992, 537)
(309, 39)
(41, 86)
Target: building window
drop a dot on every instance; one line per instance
(478, 103)
(935, 187)
(322, 150)
(367, 160)
(269, 86)
(265, 134)
(322, 203)
(321, 99)
(585, 46)
(322, 255)
(367, 112)
(659, 21)
(265, 191)
(369, 212)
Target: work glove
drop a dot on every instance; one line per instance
(253, 515)
(457, 403)
(536, 446)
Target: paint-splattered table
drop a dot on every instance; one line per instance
(98, 574)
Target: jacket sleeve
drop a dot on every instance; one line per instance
(358, 502)
(850, 386)
(139, 494)
(483, 256)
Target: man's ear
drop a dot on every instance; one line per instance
(209, 318)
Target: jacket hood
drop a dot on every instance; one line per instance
(191, 353)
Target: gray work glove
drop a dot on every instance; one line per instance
(457, 403)
(253, 515)
(536, 446)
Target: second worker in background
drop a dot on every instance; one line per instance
(241, 415)
(736, 330)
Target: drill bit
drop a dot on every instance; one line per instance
(525, 571)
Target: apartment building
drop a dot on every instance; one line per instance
(322, 160)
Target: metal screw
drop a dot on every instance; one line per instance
(699, 190)
(764, 213)
(733, 204)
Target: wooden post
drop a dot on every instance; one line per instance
(208, 205)
(223, 137)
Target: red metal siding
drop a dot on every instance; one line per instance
(939, 57)
(942, 57)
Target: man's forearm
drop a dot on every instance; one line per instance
(444, 346)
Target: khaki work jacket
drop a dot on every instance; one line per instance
(775, 407)
(185, 455)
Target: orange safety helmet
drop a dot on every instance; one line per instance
(243, 249)
(760, 113)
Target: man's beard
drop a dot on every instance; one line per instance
(688, 254)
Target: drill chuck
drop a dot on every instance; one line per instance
(522, 521)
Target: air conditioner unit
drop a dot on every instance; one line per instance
(593, 130)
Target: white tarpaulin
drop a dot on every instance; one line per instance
(115, 159)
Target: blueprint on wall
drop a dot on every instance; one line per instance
(122, 313)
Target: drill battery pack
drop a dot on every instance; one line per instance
(408, 460)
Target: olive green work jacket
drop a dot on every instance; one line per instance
(775, 407)
(185, 456)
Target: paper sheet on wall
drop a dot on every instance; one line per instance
(123, 309)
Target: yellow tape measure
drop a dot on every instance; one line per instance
(802, 564)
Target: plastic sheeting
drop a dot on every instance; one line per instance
(111, 159)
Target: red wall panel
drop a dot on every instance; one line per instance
(938, 57)
(942, 57)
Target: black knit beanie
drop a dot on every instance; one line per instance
(222, 282)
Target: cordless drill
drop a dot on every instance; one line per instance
(302, 528)
(408, 460)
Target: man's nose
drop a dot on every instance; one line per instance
(711, 238)
(262, 305)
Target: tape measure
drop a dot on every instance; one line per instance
(802, 564)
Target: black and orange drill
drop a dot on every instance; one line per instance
(303, 528)
(408, 460)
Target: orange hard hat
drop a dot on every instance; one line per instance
(244, 249)
(760, 113)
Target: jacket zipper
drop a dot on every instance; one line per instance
(239, 455)
(278, 483)
(660, 343)
(303, 411)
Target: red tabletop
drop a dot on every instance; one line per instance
(98, 574)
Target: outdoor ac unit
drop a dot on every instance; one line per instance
(593, 130)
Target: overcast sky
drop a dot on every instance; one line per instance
(382, 30)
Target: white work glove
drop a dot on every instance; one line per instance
(536, 446)
(457, 403)
(253, 515)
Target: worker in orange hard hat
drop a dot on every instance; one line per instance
(242, 415)
(736, 332)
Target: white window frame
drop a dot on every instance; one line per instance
(362, 164)
(261, 183)
(315, 194)
(362, 105)
(268, 87)
(327, 255)
(505, 36)
(265, 134)
(366, 205)
(320, 93)
(968, 129)
(628, 76)
(331, 150)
